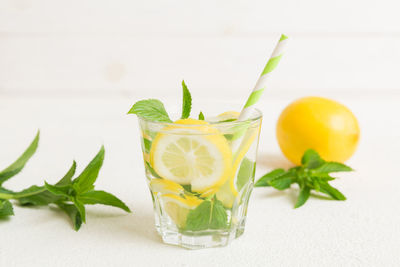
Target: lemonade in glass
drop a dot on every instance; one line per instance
(200, 174)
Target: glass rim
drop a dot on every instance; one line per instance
(257, 116)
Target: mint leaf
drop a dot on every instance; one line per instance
(84, 182)
(101, 197)
(201, 116)
(19, 164)
(72, 213)
(322, 176)
(303, 196)
(187, 101)
(146, 145)
(264, 180)
(283, 182)
(40, 196)
(246, 172)
(312, 175)
(311, 159)
(6, 208)
(210, 214)
(151, 170)
(328, 167)
(187, 188)
(39, 199)
(331, 191)
(67, 179)
(81, 208)
(32, 190)
(151, 109)
(61, 190)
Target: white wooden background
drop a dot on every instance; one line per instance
(54, 47)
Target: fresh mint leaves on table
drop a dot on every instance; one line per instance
(313, 174)
(70, 195)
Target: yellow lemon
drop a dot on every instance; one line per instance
(319, 123)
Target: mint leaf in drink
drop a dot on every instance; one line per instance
(246, 171)
(187, 102)
(210, 214)
(101, 197)
(201, 116)
(151, 170)
(19, 164)
(146, 145)
(151, 109)
(6, 208)
(84, 182)
(313, 174)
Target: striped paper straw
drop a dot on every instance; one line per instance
(262, 81)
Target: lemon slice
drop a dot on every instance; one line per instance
(229, 115)
(241, 153)
(228, 192)
(165, 186)
(178, 207)
(198, 155)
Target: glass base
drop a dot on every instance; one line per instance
(200, 239)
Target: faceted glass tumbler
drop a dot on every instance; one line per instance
(200, 175)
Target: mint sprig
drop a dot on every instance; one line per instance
(313, 174)
(154, 110)
(70, 195)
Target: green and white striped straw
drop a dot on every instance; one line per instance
(262, 81)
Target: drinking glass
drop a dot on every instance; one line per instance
(200, 175)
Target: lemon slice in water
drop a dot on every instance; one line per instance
(178, 207)
(192, 152)
(165, 186)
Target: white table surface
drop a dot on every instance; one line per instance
(362, 231)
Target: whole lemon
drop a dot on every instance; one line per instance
(319, 123)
